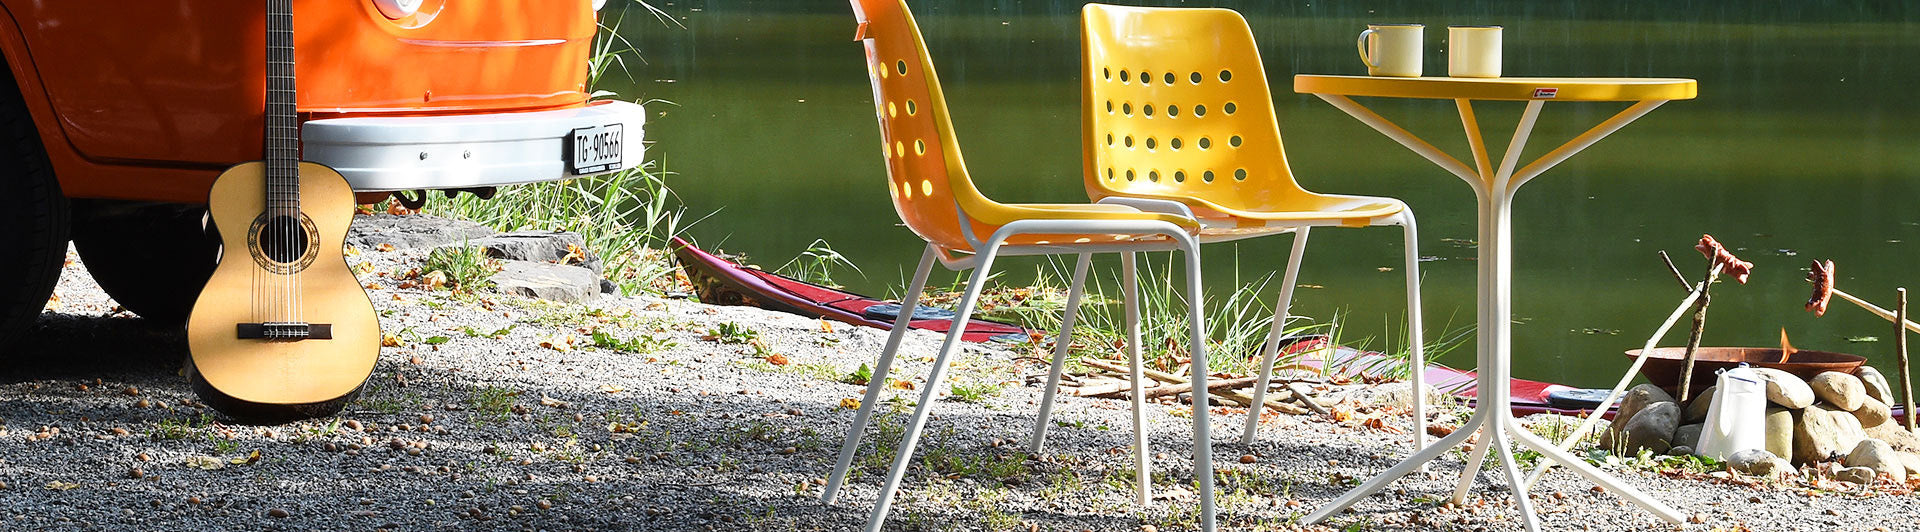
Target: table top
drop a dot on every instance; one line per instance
(1557, 89)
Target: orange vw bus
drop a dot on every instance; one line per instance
(116, 116)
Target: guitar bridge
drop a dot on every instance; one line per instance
(285, 331)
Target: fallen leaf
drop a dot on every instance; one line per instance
(903, 385)
(562, 343)
(549, 401)
(371, 286)
(396, 209)
(62, 486)
(609, 388)
(574, 255)
(352, 251)
(826, 326)
(434, 280)
(622, 428)
(850, 403)
(364, 208)
(384, 247)
(363, 268)
(388, 340)
(777, 359)
(205, 462)
(249, 459)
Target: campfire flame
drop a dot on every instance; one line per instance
(1786, 349)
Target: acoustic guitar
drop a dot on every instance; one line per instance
(282, 330)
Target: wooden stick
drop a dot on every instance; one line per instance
(1169, 378)
(1900, 345)
(1876, 310)
(1693, 336)
(1677, 276)
(1300, 391)
(1171, 389)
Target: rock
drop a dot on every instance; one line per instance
(1697, 408)
(1872, 412)
(541, 246)
(1823, 433)
(1911, 462)
(1881, 457)
(1780, 430)
(1786, 390)
(1680, 450)
(546, 281)
(1635, 400)
(417, 231)
(1856, 475)
(1894, 434)
(1688, 435)
(1839, 389)
(1876, 384)
(1757, 462)
(1652, 428)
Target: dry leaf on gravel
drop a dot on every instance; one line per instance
(249, 459)
(609, 388)
(62, 486)
(622, 428)
(903, 385)
(383, 247)
(777, 359)
(434, 280)
(850, 403)
(208, 463)
(826, 326)
(549, 401)
(563, 343)
(388, 340)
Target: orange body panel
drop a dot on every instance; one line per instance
(151, 99)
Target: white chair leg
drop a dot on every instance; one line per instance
(934, 377)
(1416, 335)
(1521, 501)
(1202, 426)
(878, 381)
(1060, 345)
(1474, 456)
(1130, 296)
(1271, 349)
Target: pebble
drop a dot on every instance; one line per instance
(131, 391)
(277, 513)
(544, 504)
(136, 473)
(426, 418)
(1248, 459)
(354, 424)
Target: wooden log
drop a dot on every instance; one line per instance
(1236, 397)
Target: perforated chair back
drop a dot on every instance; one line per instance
(925, 174)
(1176, 104)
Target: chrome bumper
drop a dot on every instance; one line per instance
(379, 154)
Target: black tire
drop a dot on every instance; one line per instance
(33, 217)
(251, 413)
(153, 258)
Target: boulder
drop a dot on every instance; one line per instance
(1824, 433)
(546, 281)
(1872, 412)
(1780, 431)
(555, 247)
(1911, 462)
(1786, 390)
(1652, 429)
(1856, 475)
(1635, 400)
(1879, 456)
(1877, 385)
(1697, 408)
(1680, 450)
(1839, 389)
(1894, 434)
(1757, 462)
(1688, 435)
(416, 231)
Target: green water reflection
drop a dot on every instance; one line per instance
(1801, 145)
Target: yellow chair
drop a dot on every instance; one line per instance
(963, 229)
(1176, 106)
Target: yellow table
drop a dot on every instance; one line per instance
(1494, 188)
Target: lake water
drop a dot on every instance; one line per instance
(1801, 145)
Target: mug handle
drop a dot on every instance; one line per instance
(1363, 48)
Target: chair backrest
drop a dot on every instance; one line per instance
(925, 174)
(1176, 104)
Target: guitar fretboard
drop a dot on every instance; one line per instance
(282, 126)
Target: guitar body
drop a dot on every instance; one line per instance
(273, 270)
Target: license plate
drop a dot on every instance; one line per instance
(593, 150)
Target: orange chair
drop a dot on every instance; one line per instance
(931, 191)
(1176, 106)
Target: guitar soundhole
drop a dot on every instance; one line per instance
(283, 244)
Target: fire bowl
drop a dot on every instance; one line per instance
(1664, 363)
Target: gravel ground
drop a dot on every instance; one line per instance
(475, 432)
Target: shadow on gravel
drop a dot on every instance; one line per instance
(72, 346)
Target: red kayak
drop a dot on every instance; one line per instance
(720, 281)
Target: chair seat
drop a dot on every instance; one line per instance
(1344, 209)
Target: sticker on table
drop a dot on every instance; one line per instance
(1546, 93)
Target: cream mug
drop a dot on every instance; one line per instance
(1391, 49)
(1473, 51)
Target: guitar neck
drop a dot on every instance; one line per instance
(282, 124)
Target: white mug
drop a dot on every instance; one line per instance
(1473, 51)
(1392, 49)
